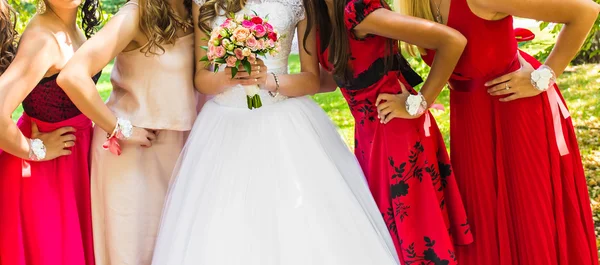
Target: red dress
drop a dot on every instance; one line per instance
(45, 212)
(405, 161)
(517, 163)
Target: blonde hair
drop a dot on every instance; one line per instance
(415, 8)
(213, 8)
(159, 22)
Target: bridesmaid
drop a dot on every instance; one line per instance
(513, 145)
(402, 153)
(153, 91)
(44, 170)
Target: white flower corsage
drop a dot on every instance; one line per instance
(543, 78)
(37, 150)
(416, 104)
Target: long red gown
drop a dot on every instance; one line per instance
(517, 163)
(405, 161)
(45, 212)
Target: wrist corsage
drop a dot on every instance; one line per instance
(543, 78)
(416, 104)
(123, 131)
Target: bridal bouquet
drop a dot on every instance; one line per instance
(237, 42)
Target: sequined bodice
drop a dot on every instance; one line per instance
(284, 15)
(48, 102)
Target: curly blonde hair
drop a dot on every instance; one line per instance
(159, 22)
(8, 35)
(213, 8)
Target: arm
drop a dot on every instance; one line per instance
(578, 16)
(328, 84)
(447, 42)
(76, 78)
(307, 81)
(37, 53)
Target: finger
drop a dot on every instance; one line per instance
(389, 117)
(69, 144)
(151, 136)
(146, 143)
(499, 80)
(402, 88)
(383, 106)
(503, 92)
(511, 97)
(498, 87)
(380, 97)
(65, 130)
(67, 138)
(242, 75)
(385, 113)
(65, 152)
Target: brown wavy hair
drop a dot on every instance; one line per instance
(159, 22)
(8, 35)
(90, 16)
(213, 8)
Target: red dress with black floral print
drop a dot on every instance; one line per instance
(405, 161)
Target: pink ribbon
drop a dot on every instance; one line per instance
(427, 123)
(25, 169)
(558, 108)
(112, 145)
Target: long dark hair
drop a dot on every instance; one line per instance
(90, 17)
(8, 35)
(336, 35)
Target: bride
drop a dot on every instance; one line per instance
(274, 185)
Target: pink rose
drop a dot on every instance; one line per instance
(238, 54)
(260, 30)
(271, 43)
(241, 34)
(231, 61)
(261, 44)
(219, 51)
(251, 42)
(226, 23)
(252, 58)
(247, 24)
(269, 27)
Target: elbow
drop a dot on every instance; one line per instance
(66, 79)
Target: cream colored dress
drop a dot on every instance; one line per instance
(154, 92)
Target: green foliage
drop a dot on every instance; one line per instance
(590, 52)
(25, 10)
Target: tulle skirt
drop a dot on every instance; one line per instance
(45, 216)
(271, 186)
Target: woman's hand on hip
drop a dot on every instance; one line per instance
(516, 84)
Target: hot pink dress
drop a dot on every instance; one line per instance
(45, 215)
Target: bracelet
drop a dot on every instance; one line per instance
(123, 131)
(543, 78)
(276, 93)
(416, 104)
(37, 150)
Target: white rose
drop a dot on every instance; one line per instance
(251, 90)
(246, 52)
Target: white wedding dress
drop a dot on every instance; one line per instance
(270, 186)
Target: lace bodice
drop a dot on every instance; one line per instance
(284, 15)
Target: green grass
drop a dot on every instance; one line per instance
(580, 86)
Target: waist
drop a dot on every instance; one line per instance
(471, 84)
(236, 97)
(79, 122)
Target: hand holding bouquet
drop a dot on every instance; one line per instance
(237, 43)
